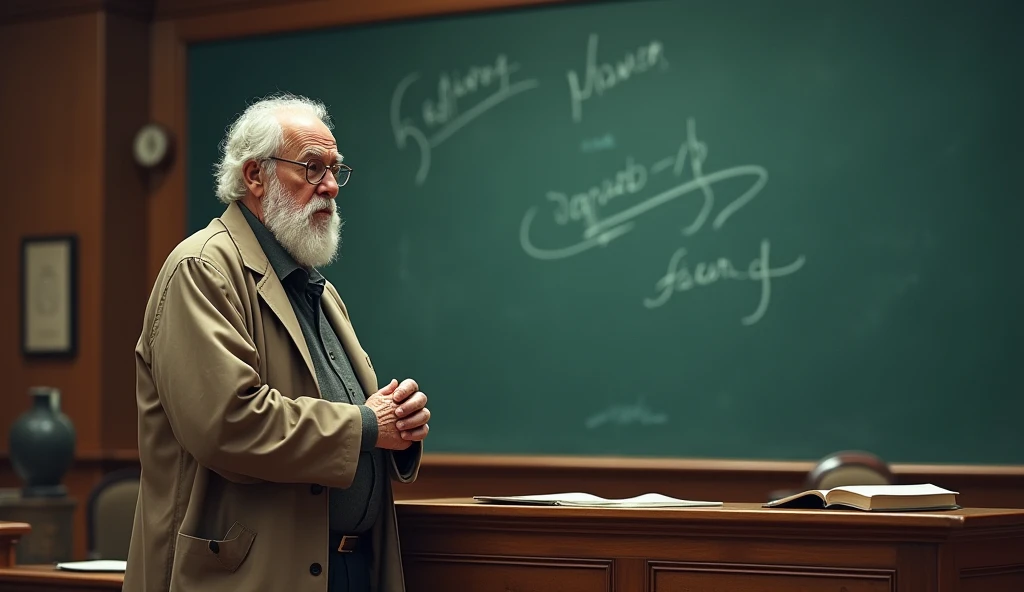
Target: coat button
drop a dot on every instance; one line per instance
(316, 489)
(214, 547)
(315, 569)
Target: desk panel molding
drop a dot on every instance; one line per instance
(664, 576)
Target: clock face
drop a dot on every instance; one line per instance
(151, 143)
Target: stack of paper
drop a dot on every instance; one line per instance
(647, 500)
(96, 565)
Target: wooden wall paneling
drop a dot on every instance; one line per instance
(79, 136)
(166, 207)
(72, 108)
(52, 116)
(126, 109)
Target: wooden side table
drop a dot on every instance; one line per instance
(52, 521)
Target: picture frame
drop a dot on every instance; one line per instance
(49, 296)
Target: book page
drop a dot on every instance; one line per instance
(647, 500)
(543, 499)
(895, 490)
(812, 498)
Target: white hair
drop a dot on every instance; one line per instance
(255, 135)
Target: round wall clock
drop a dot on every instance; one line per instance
(152, 146)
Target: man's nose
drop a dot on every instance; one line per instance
(328, 186)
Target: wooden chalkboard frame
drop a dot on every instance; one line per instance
(181, 23)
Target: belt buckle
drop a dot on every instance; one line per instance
(347, 544)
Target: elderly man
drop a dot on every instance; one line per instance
(265, 465)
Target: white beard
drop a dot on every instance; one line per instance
(312, 243)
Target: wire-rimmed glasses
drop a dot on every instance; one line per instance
(316, 170)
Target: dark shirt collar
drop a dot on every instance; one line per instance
(287, 269)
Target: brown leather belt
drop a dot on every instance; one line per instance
(348, 544)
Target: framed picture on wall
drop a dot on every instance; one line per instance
(49, 314)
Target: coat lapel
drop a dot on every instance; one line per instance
(269, 286)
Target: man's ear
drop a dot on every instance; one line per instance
(253, 176)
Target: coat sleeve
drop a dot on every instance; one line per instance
(405, 464)
(204, 364)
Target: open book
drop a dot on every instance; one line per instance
(879, 498)
(587, 500)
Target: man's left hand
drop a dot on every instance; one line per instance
(412, 411)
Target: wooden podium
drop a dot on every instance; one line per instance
(462, 545)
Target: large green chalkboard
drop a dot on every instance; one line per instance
(678, 228)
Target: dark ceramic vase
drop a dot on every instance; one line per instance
(42, 445)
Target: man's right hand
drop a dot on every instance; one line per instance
(383, 404)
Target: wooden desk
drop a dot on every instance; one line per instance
(460, 545)
(46, 578)
(43, 578)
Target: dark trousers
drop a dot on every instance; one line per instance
(349, 572)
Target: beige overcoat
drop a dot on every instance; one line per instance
(236, 444)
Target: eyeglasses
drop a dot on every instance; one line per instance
(316, 170)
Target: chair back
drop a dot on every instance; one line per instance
(111, 514)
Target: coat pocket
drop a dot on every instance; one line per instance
(228, 552)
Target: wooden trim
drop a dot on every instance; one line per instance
(23, 10)
(90, 456)
(178, 9)
(319, 14)
(626, 467)
(675, 465)
(108, 456)
(314, 10)
(451, 469)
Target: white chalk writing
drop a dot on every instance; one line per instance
(626, 414)
(586, 206)
(601, 77)
(598, 211)
(443, 116)
(681, 277)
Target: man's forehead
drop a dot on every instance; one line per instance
(316, 146)
(308, 136)
(326, 151)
